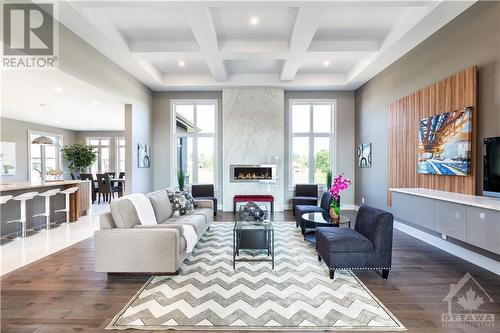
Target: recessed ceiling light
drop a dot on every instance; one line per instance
(182, 63)
(254, 20)
(95, 102)
(57, 122)
(326, 63)
(58, 89)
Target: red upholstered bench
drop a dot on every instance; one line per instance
(253, 197)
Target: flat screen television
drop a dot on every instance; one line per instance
(491, 174)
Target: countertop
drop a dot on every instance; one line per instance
(33, 185)
(464, 199)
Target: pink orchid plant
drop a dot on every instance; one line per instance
(340, 183)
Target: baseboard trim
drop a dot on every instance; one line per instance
(458, 251)
(349, 207)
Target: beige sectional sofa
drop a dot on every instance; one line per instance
(123, 244)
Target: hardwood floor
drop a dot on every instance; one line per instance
(62, 293)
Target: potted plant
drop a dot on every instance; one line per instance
(79, 156)
(340, 183)
(329, 179)
(181, 176)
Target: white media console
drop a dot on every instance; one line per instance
(468, 218)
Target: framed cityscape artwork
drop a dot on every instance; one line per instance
(444, 146)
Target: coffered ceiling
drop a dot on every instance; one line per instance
(181, 45)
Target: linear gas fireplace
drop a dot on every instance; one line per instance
(253, 173)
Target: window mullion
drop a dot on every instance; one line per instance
(42, 159)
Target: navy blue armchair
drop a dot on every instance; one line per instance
(305, 194)
(324, 207)
(205, 192)
(368, 246)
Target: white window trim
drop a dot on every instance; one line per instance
(215, 136)
(59, 144)
(99, 162)
(333, 135)
(117, 153)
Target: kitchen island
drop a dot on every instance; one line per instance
(79, 203)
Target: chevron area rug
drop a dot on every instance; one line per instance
(298, 295)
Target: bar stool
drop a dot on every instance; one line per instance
(4, 199)
(22, 198)
(46, 213)
(67, 192)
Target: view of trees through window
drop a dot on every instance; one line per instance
(311, 127)
(195, 132)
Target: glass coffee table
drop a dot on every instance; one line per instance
(251, 235)
(313, 220)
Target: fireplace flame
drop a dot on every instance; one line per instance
(252, 175)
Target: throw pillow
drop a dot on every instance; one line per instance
(180, 203)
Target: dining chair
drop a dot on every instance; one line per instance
(111, 174)
(89, 176)
(105, 189)
(121, 175)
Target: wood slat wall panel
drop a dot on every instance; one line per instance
(453, 93)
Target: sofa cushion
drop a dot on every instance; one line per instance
(124, 213)
(342, 240)
(182, 202)
(161, 205)
(302, 209)
(197, 221)
(205, 212)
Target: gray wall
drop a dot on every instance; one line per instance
(473, 38)
(84, 62)
(17, 131)
(162, 129)
(345, 135)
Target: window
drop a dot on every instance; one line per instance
(195, 138)
(311, 140)
(44, 157)
(102, 146)
(120, 155)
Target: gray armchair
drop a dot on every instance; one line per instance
(305, 194)
(368, 246)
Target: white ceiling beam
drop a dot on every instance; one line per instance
(145, 46)
(251, 4)
(412, 30)
(102, 35)
(203, 29)
(151, 69)
(251, 46)
(202, 82)
(163, 56)
(304, 28)
(344, 45)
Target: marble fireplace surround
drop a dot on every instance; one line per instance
(253, 122)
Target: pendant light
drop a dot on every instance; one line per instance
(42, 139)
